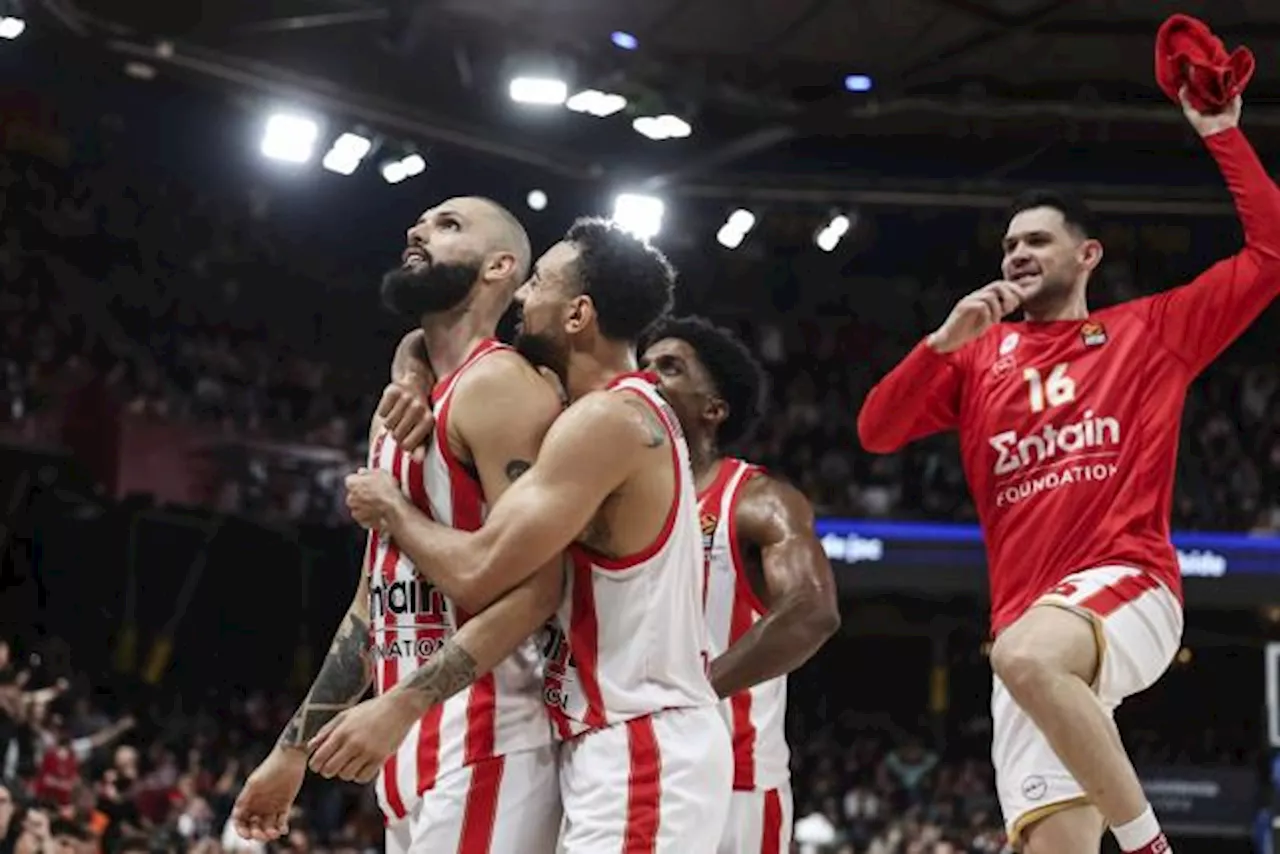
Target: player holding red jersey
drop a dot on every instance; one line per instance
(1069, 426)
(771, 598)
(476, 773)
(646, 760)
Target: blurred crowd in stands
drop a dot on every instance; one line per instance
(166, 297)
(77, 780)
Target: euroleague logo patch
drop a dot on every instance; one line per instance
(1093, 334)
(709, 522)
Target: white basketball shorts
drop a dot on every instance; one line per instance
(759, 822)
(658, 784)
(1138, 625)
(505, 805)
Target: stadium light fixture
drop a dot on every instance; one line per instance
(409, 166)
(626, 41)
(828, 238)
(596, 103)
(289, 138)
(11, 27)
(539, 91)
(857, 83)
(537, 200)
(346, 153)
(736, 228)
(662, 127)
(639, 214)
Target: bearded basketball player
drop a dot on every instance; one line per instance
(477, 773)
(646, 760)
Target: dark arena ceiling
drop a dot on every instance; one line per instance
(760, 81)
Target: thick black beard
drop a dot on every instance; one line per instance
(431, 289)
(542, 352)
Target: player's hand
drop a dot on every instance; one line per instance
(975, 314)
(1207, 124)
(372, 496)
(355, 744)
(261, 812)
(405, 410)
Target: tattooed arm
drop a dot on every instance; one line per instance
(344, 676)
(481, 644)
(356, 743)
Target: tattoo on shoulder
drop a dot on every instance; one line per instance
(655, 432)
(444, 674)
(516, 468)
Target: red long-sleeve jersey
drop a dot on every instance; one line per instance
(1069, 429)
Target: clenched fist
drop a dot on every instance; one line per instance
(975, 314)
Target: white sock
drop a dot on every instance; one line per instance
(1133, 835)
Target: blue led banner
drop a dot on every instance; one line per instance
(914, 544)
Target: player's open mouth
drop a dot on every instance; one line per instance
(1024, 277)
(413, 257)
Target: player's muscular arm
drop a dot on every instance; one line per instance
(801, 591)
(588, 453)
(345, 674)
(919, 397)
(481, 644)
(501, 412)
(1198, 321)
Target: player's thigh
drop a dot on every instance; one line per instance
(759, 822)
(504, 804)
(1136, 623)
(1078, 830)
(659, 783)
(1032, 784)
(1047, 638)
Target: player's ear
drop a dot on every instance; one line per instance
(716, 410)
(1091, 253)
(500, 266)
(579, 313)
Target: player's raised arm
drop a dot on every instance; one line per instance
(1199, 320)
(588, 453)
(802, 608)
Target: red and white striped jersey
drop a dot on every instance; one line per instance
(409, 620)
(636, 638)
(757, 716)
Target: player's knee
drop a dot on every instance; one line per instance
(1020, 662)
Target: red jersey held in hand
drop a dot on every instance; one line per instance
(1069, 429)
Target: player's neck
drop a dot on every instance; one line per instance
(593, 370)
(450, 337)
(1074, 307)
(704, 459)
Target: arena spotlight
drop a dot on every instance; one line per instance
(639, 214)
(735, 228)
(346, 153)
(11, 28)
(537, 200)
(857, 83)
(596, 103)
(539, 91)
(626, 41)
(662, 127)
(289, 138)
(395, 171)
(828, 238)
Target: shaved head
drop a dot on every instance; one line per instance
(506, 234)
